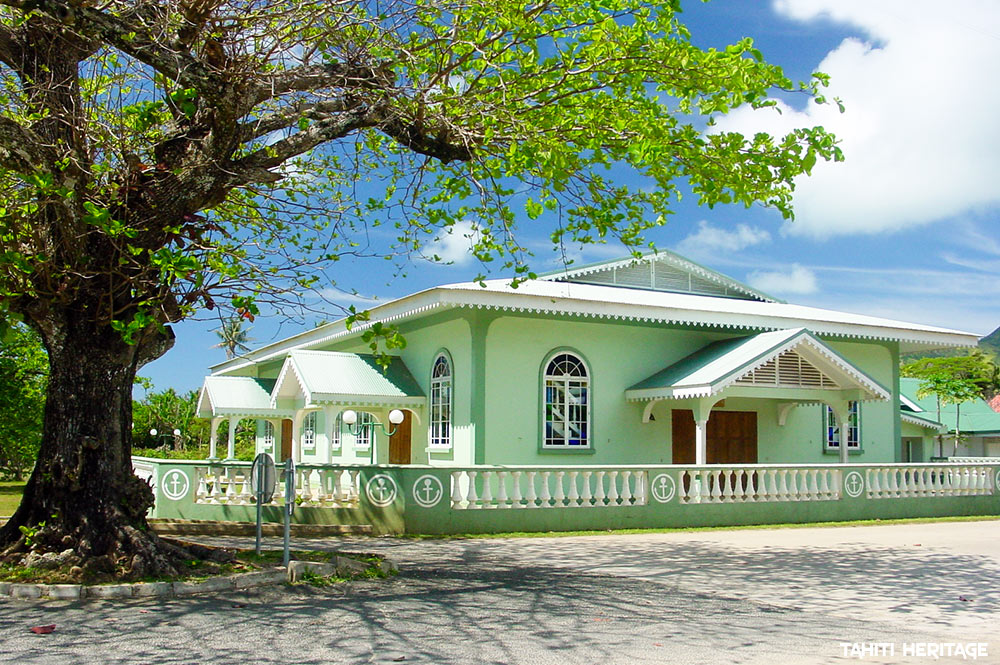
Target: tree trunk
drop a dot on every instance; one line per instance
(82, 494)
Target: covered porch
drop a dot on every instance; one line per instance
(760, 376)
(324, 408)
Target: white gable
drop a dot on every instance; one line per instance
(661, 271)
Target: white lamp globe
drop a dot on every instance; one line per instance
(395, 416)
(350, 417)
(177, 432)
(152, 432)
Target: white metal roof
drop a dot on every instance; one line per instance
(234, 396)
(614, 303)
(350, 378)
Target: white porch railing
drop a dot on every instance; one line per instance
(523, 487)
(752, 484)
(315, 486)
(891, 481)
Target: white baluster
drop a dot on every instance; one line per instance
(456, 489)
(612, 488)
(641, 484)
(822, 486)
(574, 495)
(560, 495)
(714, 478)
(626, 493)
(471, 497)
(587, 496)
(516, 498)
(782, 488)
(545, 497)
(531, 497)
(502, 490)
(245, 494)
(230, 487)
(599, 496)
(750, 494)
(201, 494)
(487, 496)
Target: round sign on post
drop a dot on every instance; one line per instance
(263, 477)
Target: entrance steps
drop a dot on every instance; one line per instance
(176, 527)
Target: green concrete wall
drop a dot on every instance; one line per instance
(416, 500)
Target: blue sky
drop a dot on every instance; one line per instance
(906, 228)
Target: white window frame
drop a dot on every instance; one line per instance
(309, 424)
(831, 428)
(267, 436)
(366, 430)
(335, 434)
(442, 401)
(566, 385)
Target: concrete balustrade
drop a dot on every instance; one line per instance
(315, 485)
(532, 487)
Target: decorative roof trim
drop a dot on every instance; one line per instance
(921, 422)
(802, 338)
(665, 256)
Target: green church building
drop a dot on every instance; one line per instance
(651, 361)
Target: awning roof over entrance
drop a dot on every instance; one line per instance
(329, 377)
(781, 359)
(235, 396)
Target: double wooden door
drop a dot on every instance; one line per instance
(731, 437)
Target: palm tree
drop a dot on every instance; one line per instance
(234, 337)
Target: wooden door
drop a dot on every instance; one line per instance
(731, 437)
(682, 436)
(399, 442)
(286, 439)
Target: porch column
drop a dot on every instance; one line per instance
(231, 444)
(842, 413)
(329, 419)
(701, 442)
(213, 439)
(296, 435)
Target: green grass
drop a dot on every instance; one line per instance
(10, 497)
(695, 529)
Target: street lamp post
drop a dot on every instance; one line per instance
(351, 420)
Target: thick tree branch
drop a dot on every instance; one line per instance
(134, 39)
(22, 150)
(9, 48)
(419, 140)
(308, 78)
(318, 111)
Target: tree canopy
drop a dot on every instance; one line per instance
(160, 156)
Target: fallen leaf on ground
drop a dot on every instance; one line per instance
(399, 659)
(964, 599)
(43, 630)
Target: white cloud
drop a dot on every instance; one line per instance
(796, 280)
(919, 135)
(453, 244)
(709, 239)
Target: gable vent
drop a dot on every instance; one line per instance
(788, 370)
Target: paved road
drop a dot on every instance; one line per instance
(755, 596)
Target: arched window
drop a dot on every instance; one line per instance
(566, 400)
(268, 439)
(309, 430)
(441, 402)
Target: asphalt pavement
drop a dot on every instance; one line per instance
(877, 594)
